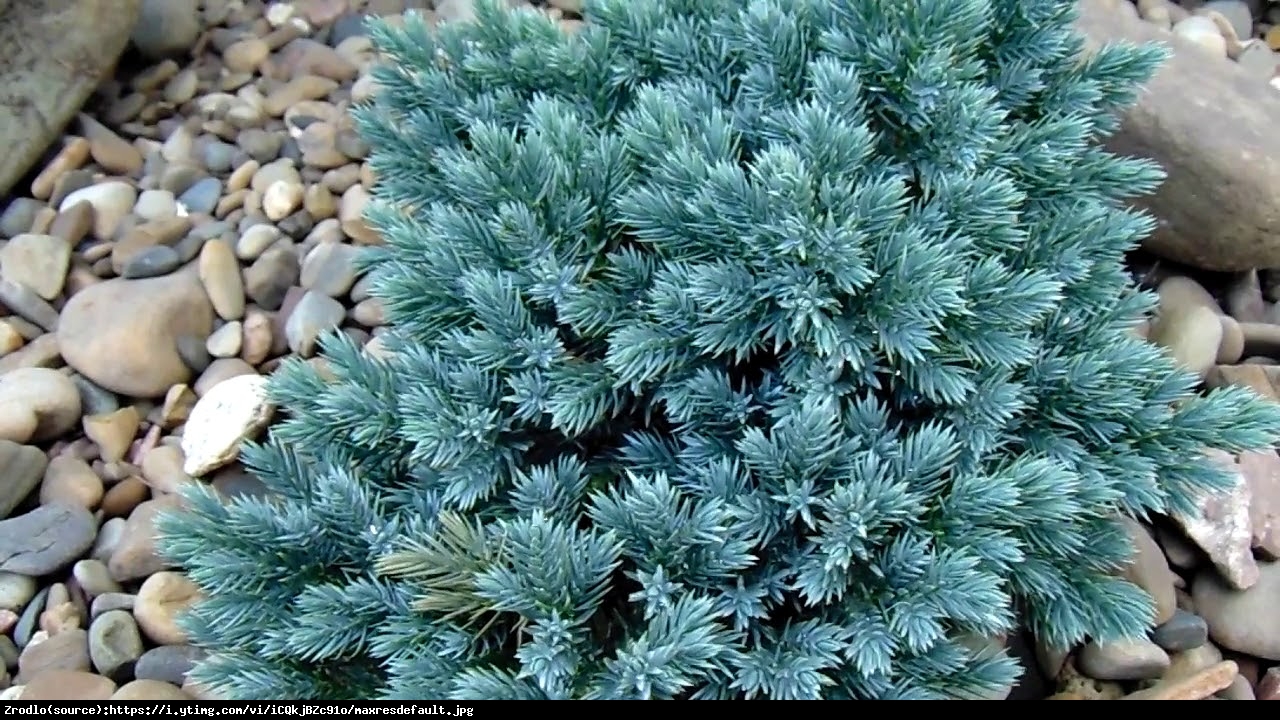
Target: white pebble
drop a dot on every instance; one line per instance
(1202, 32)
(229, 413)
(279, 14)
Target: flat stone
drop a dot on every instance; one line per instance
(45, 540)
(168, 663)
(1245, 621)
(1124, 660)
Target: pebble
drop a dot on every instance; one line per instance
(168, 663)
(45, 539)
(37, 404)
(123, 333)
(230, 412)
(166, 28)
(1223, 528)
(67, 685)
(1245, 621)
(21, 469)
(111, 202)
(16, 590)
(1183, 631)
(1123, 660)
(39, 262)
(114, 643)
(152, 262)
(314, 315)
(162, 597)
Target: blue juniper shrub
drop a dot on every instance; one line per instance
(771, 349)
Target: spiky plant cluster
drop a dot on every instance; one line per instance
(771, 349)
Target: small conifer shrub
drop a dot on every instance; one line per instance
(771, 349)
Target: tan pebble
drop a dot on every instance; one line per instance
(73, 224)
(306, 87)
(320, 202)
(369, 313)
(8, 619)
(154, 690)
(42, 352)
(232, 411)
(220, 370)
(68, 650)
(245, 55)
(50, 395)
(230, 203)
(351, 213)
(134, 555)
(124, 496)
(17, 422)
(177, 405)
(94, 578)
(158, 231)
(242, 176)
(73, 155)
(10, 338)
(1192, 335)
(256, 240)
(70, 480)
(38, 261)
(1231, 348)
(113, 432)
(225, 341)
(108, 149)
(58, 685)
(1202, 33)
(60, 618)
(162, 469)
(281, 199)
(1195, 687)
(258, 338)
(162, 597)
(124, 335)
(220, 274)
(111, 200)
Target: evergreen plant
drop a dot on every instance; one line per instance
(771, 349)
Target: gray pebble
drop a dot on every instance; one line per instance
(347, 26)
(107, 602)
(19, 216)
(193, 352)
(29, 306)
(202, 197)
(94, 400)
(8, 652)
(29, 620)
(1131, 660)
(218, 156)
(46, 539)
(153, 262)
(168, 663)
(1184, 631)
(114, 644)
(314, 315)
(260, 145)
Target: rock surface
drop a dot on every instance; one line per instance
(53, 54)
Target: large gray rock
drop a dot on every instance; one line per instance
(1212, 127)
(53, 54)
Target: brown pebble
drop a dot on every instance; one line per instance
(124, 496)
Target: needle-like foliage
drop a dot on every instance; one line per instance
(767, 349)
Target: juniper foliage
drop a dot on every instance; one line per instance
(776, 349)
